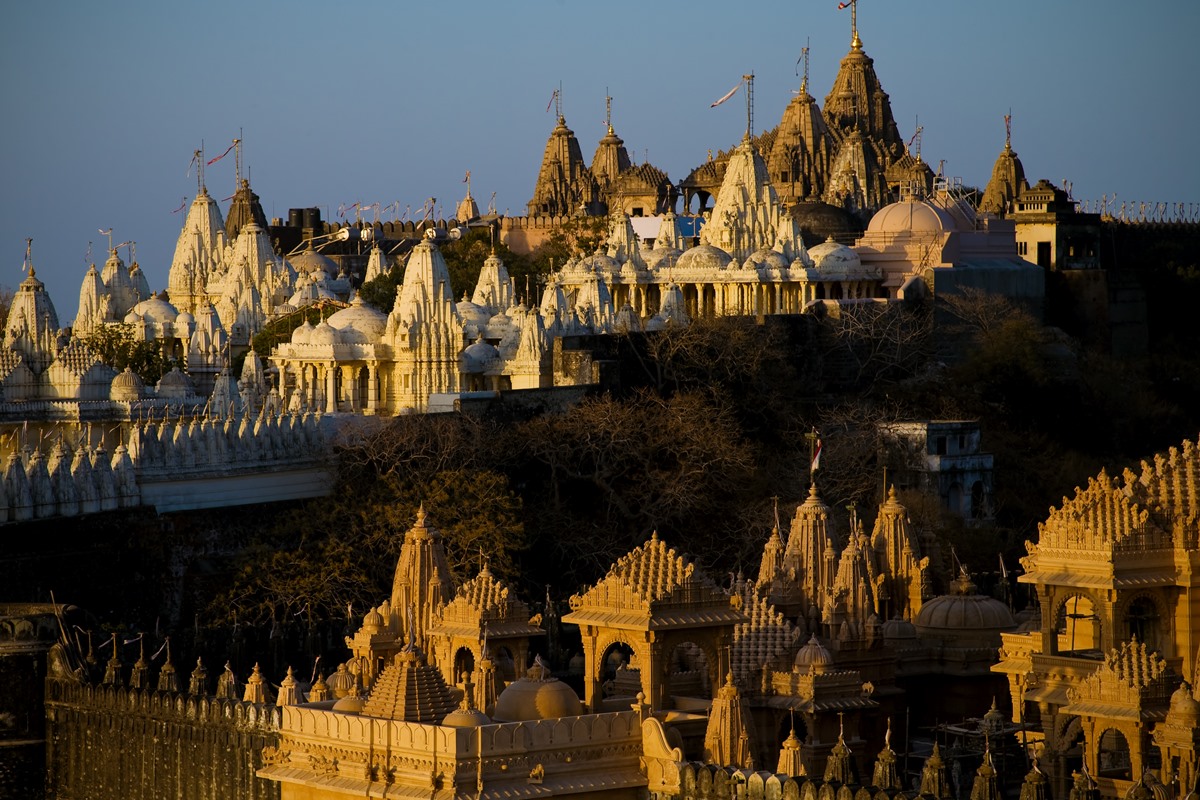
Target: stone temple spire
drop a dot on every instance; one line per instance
(727, 740)
(746, 215)
(1008, 178)
(422, 579)
(564, 184)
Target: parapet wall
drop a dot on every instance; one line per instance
(107, 741)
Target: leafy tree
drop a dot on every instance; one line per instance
(579, 235)
(116, 346)
(380, 292)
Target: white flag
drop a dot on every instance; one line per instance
(728, 95)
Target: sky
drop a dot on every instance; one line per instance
(393, 101)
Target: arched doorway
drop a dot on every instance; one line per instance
(1112, 755)
(464, 661)
(1077, 627)
(1141, 621)
(619, 676)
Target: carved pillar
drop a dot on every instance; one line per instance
(331, 393)
(372, 387)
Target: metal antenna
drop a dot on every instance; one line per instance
(558, 101)
(749, 79)
(237, 158)
(608, 109)
(804, 81)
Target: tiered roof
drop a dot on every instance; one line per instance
(653, 588)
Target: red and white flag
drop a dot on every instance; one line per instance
(212, 161)
(728, 95)
(181, 206)
(553, 97)
(468, 178)
(816, 462)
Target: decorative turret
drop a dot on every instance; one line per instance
(987, 785)
(139, 676)
(168, 679)
(1035, 787)
(32, 325)
(727, 740)
(799, 160)
(257, 690)
(610, 160)
(746, 214)
(933, 777)
(885, 777)
(244, 209)
(93, 304)
(422, 579)
(791, 762)
(198, 253)
(565, 185)
(494, 289)
(122, 295)
(198, 684)
(1008, 178)
(839, 768)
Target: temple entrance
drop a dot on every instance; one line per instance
(464, 661)
(1112, 757)
(620, 677)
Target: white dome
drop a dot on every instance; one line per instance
(310, 261)
(476, 358)
(832, 255)
(359, 324)
(323, 334)
(660, 257)
(911, 216)
(766, 259)
(155, 311)
(472, 314)
(302, 334)
(704, 257)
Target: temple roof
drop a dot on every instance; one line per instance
(654, 588)
(485, 599)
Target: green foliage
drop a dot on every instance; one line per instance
(343, 549)
(464, 259)
(116, 346)
(380, 293)
(577, 236)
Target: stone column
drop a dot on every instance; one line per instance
(372, 387)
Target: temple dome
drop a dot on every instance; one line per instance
(538, 695)
(813, 656)
(323, 334)
(303, 333)
(476, 358)
(704, 257)
(766, 259)
(473, 314)
(898, 629)
(833, 255)
(466, 718)
(359, 324)
(127, 387)
(310, 261)
(154, 311)
(911, 216)
(175, 385)
(1185, 708)
(819, 221)
(964, 617)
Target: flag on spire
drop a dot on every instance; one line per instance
(212, 161)
(816, 461)
(728, 94)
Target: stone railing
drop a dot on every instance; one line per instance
(108, 741)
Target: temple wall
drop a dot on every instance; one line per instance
(361, 755)
(108, 742)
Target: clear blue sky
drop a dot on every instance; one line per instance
(385, 101)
